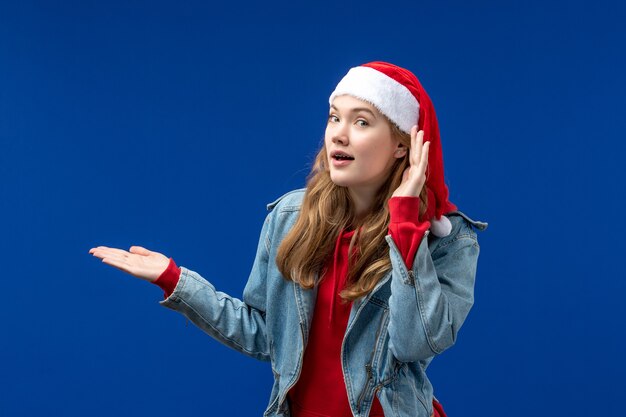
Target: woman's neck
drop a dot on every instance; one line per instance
(363, 201)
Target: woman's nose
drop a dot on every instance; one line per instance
(340, 135)
(340, 139)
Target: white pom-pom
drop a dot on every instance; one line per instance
(441, 227)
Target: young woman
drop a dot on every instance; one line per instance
(360, 279)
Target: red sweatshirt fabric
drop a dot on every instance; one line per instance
(320, 390)
(168, 278)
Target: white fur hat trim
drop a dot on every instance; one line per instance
(386, 94)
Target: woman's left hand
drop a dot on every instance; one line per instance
(137, 261)
(414, 176)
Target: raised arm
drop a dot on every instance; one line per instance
(431, 295)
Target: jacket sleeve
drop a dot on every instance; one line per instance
(231, 321)
(430, 302)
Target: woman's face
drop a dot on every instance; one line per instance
(359, 145)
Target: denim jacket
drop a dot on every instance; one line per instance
(392, 334)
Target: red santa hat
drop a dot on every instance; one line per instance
(397, 93)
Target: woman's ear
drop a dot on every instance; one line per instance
(400, 151)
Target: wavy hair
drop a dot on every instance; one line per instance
(326, 210)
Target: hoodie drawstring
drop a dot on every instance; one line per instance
(335, 277)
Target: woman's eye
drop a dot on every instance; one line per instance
(362, 123)
(333, 118)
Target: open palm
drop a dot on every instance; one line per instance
(137, 261)
(414, 176)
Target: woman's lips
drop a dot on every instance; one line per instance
(341, 162)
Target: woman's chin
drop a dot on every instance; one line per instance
(339, 181)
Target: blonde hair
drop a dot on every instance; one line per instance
(326, 211)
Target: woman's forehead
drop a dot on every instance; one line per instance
(351, 103)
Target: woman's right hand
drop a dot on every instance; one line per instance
(137, 261)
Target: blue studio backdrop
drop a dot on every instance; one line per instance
(170, 125)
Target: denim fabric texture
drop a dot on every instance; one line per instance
(393, 333)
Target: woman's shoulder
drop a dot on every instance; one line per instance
(462, 227)
(290, 201)
(457, 217)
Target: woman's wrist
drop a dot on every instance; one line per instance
(404, 209)
(168, 279)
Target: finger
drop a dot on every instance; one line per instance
(98, 252)
(139, 250)
(413, 136)
(121, 265)
(421, 167)
(105, 249)
(416, 148)
(121, 252)
(110, 253)
(92, 250)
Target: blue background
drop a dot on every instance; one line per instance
(171, 124)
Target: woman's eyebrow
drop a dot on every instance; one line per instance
(356, 110)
